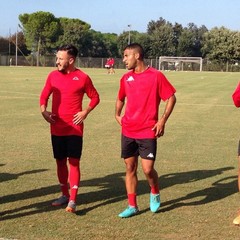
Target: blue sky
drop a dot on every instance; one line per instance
(114, 16)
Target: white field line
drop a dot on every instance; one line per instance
(107, 101)
(22, 93)
(206, 104)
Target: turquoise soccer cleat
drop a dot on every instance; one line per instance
(154, 202)
(129, 212)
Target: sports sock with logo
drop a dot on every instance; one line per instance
(62, 173)
(74, 177)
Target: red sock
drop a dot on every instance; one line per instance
(155, 189)
(62, 172)
(74, 177)
(132, 199)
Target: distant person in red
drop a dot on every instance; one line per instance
(236, 100)
(107, 65)
(111, 64)
(67, 85)
(142, 88)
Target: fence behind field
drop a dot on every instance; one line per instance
(90, 62)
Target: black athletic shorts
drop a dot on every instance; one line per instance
(145, 148)
(67, 146)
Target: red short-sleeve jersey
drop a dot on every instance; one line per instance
(143, 92)
(67, 94)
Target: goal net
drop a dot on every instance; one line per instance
(180, 63)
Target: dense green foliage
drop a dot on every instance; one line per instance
(42, 32)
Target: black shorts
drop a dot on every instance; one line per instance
(145, 148)
(67, 146)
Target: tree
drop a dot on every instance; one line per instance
(122, 41)
(191, 41)
(145, 40)
(154, 25)
(110, 41)
(162, 38)
(235, 46)
(177, 31)
(5, 48)
(219, 44)
(73, 31)
(41, 30)
(21, 44)
(135, 36)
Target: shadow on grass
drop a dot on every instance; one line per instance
(218, 190)
(111, 189)
(12, 176)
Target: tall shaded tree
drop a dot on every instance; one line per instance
(162, 38)
(110, 41)
(191, 41)
(41, 30)
(73, 31)
(135, 36)
(220, 44)
(177, 31)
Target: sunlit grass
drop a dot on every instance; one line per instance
(196, 163)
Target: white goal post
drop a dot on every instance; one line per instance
(178, 62)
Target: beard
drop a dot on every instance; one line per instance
(62, 68)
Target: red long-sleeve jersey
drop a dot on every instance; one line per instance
(236, 96)
(67, 95)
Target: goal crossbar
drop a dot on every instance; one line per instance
(181, 60)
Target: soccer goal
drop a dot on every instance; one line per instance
(180, 63)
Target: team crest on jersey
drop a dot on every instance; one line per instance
(130, 79)
(75, 78)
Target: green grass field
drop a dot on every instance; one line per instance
(196, 162)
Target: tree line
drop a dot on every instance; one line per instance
(41, 32)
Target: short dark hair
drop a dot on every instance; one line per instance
(137, 47)
(71, 49)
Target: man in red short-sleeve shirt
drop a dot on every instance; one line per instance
(67, 85)
(143, 88)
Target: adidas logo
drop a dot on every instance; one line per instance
(130, 79)
(150, 155)
(75, 78)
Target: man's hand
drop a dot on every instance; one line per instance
(79, 117)
(119, 120)
(159, 128)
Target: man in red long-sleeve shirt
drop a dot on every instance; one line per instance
(236, 101)
(67, 85)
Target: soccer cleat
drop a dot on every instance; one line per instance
(236, 220)
(154, 202)
(129, 212)
(60, 201)
(71, 207)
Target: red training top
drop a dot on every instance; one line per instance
(144, 92)
(67, 94)
(236, 96)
